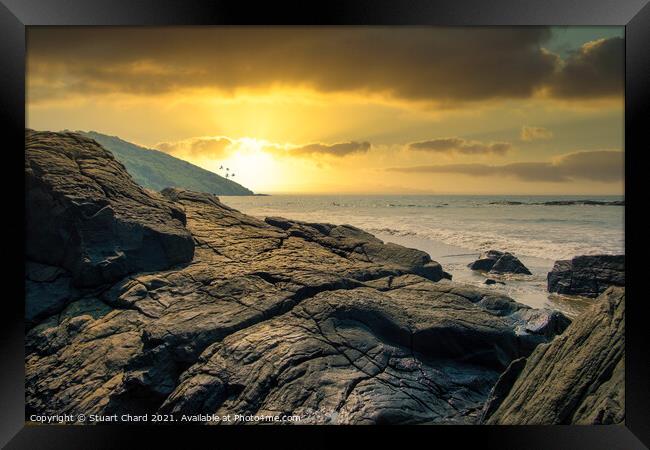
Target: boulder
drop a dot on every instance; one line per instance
(87, 216)
(578, 378)
(497, 262)
(587, 276)
(509, 263)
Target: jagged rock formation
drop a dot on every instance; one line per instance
(86, 215)
(496, 262)
(275, 316)
(578, 378)
(588, 276)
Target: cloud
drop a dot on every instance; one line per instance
(339, 149)
(198, 147)
(596, 69)
(212, 147)
(462, 146)
(443, 65)
(599, 165)
(535, 133)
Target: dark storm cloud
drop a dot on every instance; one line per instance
(427, 64)
(462, 146)
(596, 69)
(600, 165)
(339, 149)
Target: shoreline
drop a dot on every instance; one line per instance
(456, 234)
(473, 223)
(529, 290)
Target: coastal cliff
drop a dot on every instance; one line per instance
(142, 302)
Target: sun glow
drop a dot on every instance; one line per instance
(248, 164)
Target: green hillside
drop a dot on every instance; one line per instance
(156, 170)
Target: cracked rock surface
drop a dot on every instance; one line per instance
(85, 214)
(578, 378)
(231, 314)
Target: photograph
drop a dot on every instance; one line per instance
(325, 225)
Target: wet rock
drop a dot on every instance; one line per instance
(497, 262)
(490, 281)
(578, 378)
(588, 276)
(508, 263)
(563, 203)
(486, 261)
(583, 202)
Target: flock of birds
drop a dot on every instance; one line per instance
(229, 174)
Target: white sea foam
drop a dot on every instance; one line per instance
(482, 241)
(472, 223)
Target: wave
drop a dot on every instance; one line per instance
(550, 234)
(483, 241)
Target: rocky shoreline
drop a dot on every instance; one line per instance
(142, 302)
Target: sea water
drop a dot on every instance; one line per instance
(454, 230)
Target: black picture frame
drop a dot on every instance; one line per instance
(16, 15)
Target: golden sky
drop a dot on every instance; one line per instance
(494, 110)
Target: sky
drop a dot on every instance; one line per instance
(349, 110)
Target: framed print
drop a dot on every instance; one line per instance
(305, 219)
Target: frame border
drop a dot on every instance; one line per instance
(15, 15)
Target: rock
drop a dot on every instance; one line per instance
(86, 215)
(321, 320)
(539, 325)
(359, 356)
(486, 261)
(508, 263)
(358, 244)
(583, 202)
(588, 276)
(48, 290)
(578, 378)
(502, 387)
(564, 203)
(490, 281)
(507, 202)
(497, 262)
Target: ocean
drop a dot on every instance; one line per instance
(454, 229)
